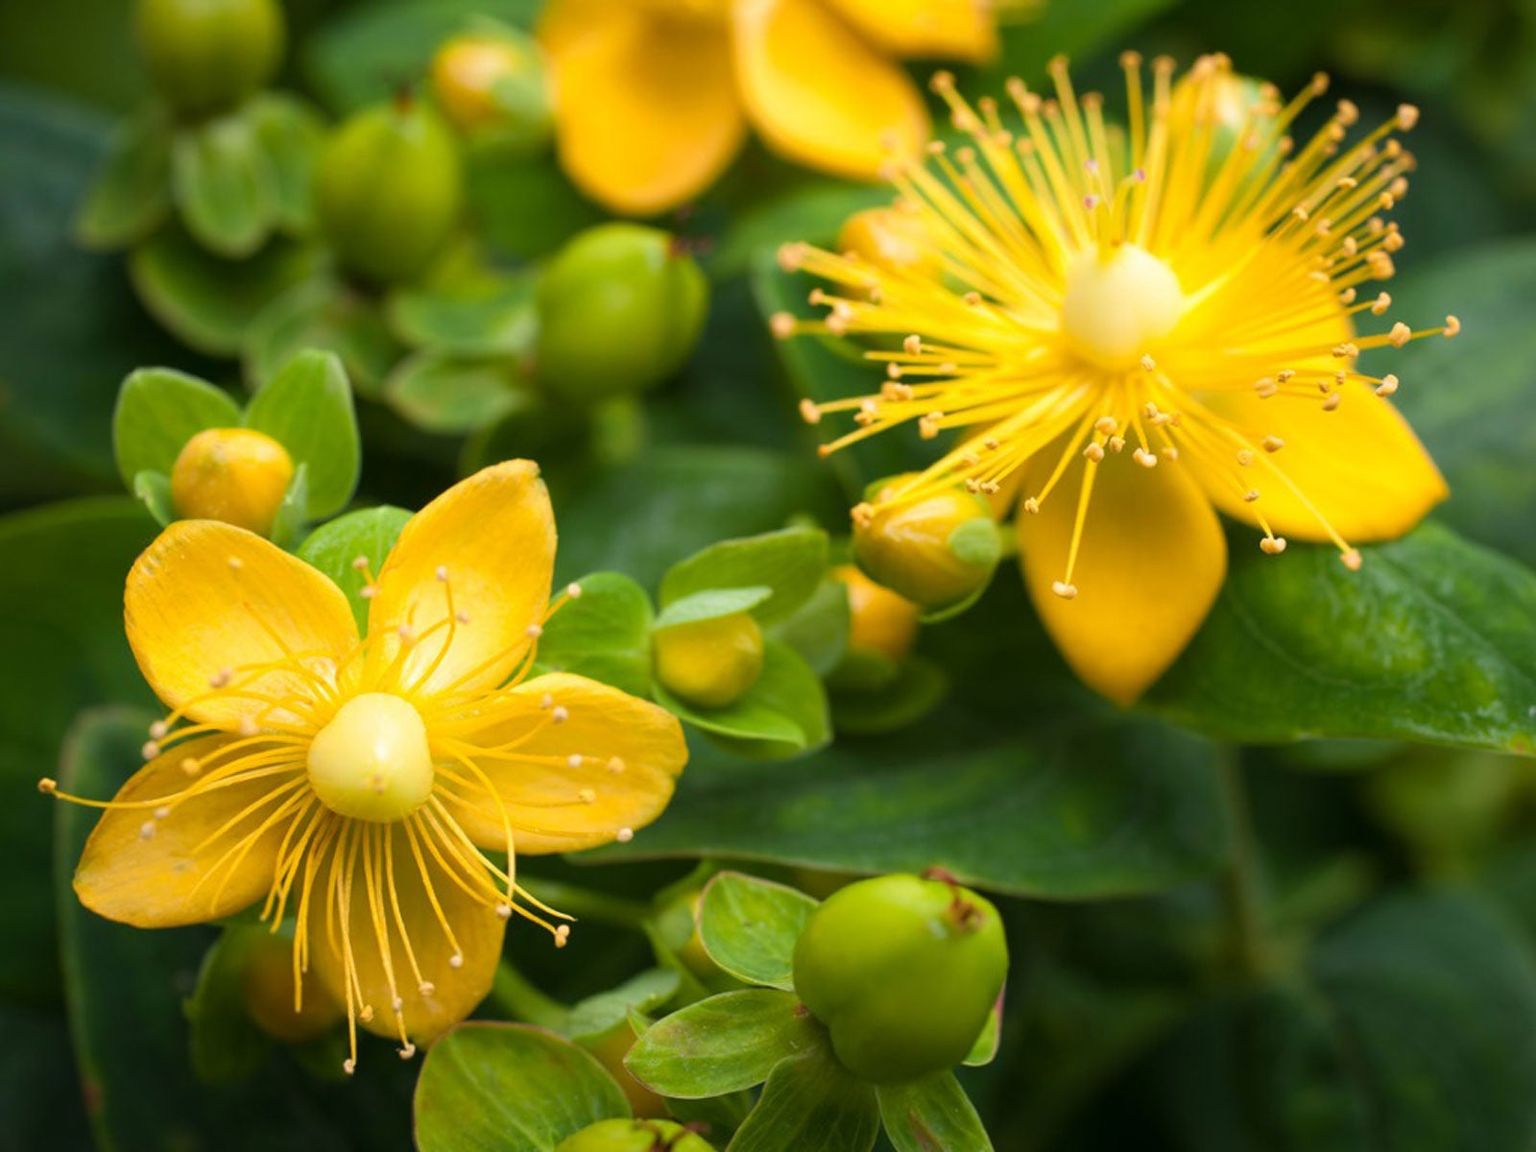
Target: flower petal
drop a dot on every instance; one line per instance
(955, 29)
(208, 602)
(154, 872)
(372, 856)
(646, 111)
(1151, 562)
(467, 578)
(1360, 466)
(572, 783)
(819, 94)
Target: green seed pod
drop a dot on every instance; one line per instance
(208, 55)
(938, 551)
(903, 972)
(389, 189)
(620, 309)
(710, 663)
(635, 1136)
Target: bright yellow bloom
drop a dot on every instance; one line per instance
(350, 782)
(1137, 326)
(653, 97)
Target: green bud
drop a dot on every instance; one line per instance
(903, 972)
(635, 1136)
(938, 551)
(620, 309)
(389, 189)
(208, 55)
(495, 85)
(709, 663)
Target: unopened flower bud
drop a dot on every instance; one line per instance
(938, 550)
(710, 663)
(266, 986)
(635, 1136)
(879, 619)
(890, 238)
(494, 83)
(236, 475)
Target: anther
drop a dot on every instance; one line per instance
(624, 835)
(190, 766)
(562, 935)
(221, 678)
(456, 960)
(1383, 302)
(1272, 545)
(615, 766)
(1272, 443)
(406, 633)
(1148, 364)
(1251, 495)
(147, 830)
(1351, 559)
(442, 573)
(427, 988)
(1407, 117)
(1388, 385)
(504, 911)
(1094, 453)
(560, 715)
(158, 729)
(1266, 388)
(408, 1051)
(546, 700)
(1106, 425)
(573, 590)
(533, 631)
(368, 591)
(150, 750)
(47, 785)
(365, 1013)
(1144, 458)
(359, 563)
(912, 345)
(349, 1065)
(247, 726)
(782, 325)
(1399, 335)
(235, 563)
(574, 760)
(587, 796)
(1064, 590)
(461, 616)
(1452, 327)
(1332, 401)
(1032, 505)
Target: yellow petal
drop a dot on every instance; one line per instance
(469, 574)
(381, 960)
(208, 602)
(565, 23)
(646, 111)
(577, 777)
(1151, 562)
(958, 29)
(819, 94)
(1360, 466)
(154, 872)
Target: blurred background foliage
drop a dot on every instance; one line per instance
(1395, 1008)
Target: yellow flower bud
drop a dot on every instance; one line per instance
(937, 550)
(267, 989)
(879, 619)
(710, 663)
(493, 81)
(236, 475)
(890, 238)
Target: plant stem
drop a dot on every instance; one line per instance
(1245, 903)
(586, 904)
(519, 999)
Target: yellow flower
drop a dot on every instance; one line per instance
(653, 97)
(350, 782)
(1137, 326)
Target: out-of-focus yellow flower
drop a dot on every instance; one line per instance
(654, 97)
(1136, 327)
(350, 782)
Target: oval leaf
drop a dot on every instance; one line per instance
(334, 548)
(307, 408)
(131, 195)
(811, 1105)
(158, 411)
(223, 186)
(711, 605)
(790, 563)
(723, 1044)
(931, 1115)
(749, 927)
(604, 634)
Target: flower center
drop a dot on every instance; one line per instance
(371, 762)
(1118, 304)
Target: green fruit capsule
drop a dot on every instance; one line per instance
(389, 190)
(208, 55)
(620, 309)
(903, 972)
(710, 663)
(635, 1136)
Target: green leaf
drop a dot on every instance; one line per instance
(915, 689)
(813, 213)
(322, 314)
(1075, 30)
(154, 490)
(131, 195)
(600, 1014)
(509, 1088)
(223, 186)
(711, 605)
(783, 714)
(307, 408)
(333, 548)
(447, 393)
(525, 208)
(208, 302)
(225, 1044)
(605, 634)
(791, 563)
(749, 927)
(1434, 639)
(291, 135)
(818, 629)
(723, 1044)
(497, 318)
(931, 1115)
(158, 411)
(811, 1105)
(289, 522)
(984, 1051)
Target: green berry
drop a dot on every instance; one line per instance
(208, 55)
(634, 1136)
(389, 190)
(902, 971)
(620, 309)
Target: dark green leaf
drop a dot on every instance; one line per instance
(526, 208)
(225, 1044)
(711, 605)
(158, 411)
(723, 1044)
(599, 1014)
(749, 927)
(917, 687)
(291, 135)
(131, 195)
(223, 186)
(307, 408)
(811, 1105)
(291, 519)
(605, 634)
(322, 314)
(813, 213)
(509, 1088)
(333, 548)
(448, 393)
(931, 1115)
(1056, 29)
(782, 714)
(1433, 639)
(484, 320)
(791, 563)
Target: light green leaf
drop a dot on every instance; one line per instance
(484, 320)
(723, 1044)
(223, 186)
(154, 489)
(1434, 639)
(333, 548)
(600, 1014)
(749, 927)
(526, 207)
(783, 714)
(1075, 30)
(307, 408)
(791, 563)
(447, 393)
(711, 605)
(984, 1051)
(131, 195)
(509, 1088)
(322, 314)
(291, 135)
(158, 411)
(605, 634)
(931, 1115)
(818, 629)
(289, 522)
(811, 1105)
